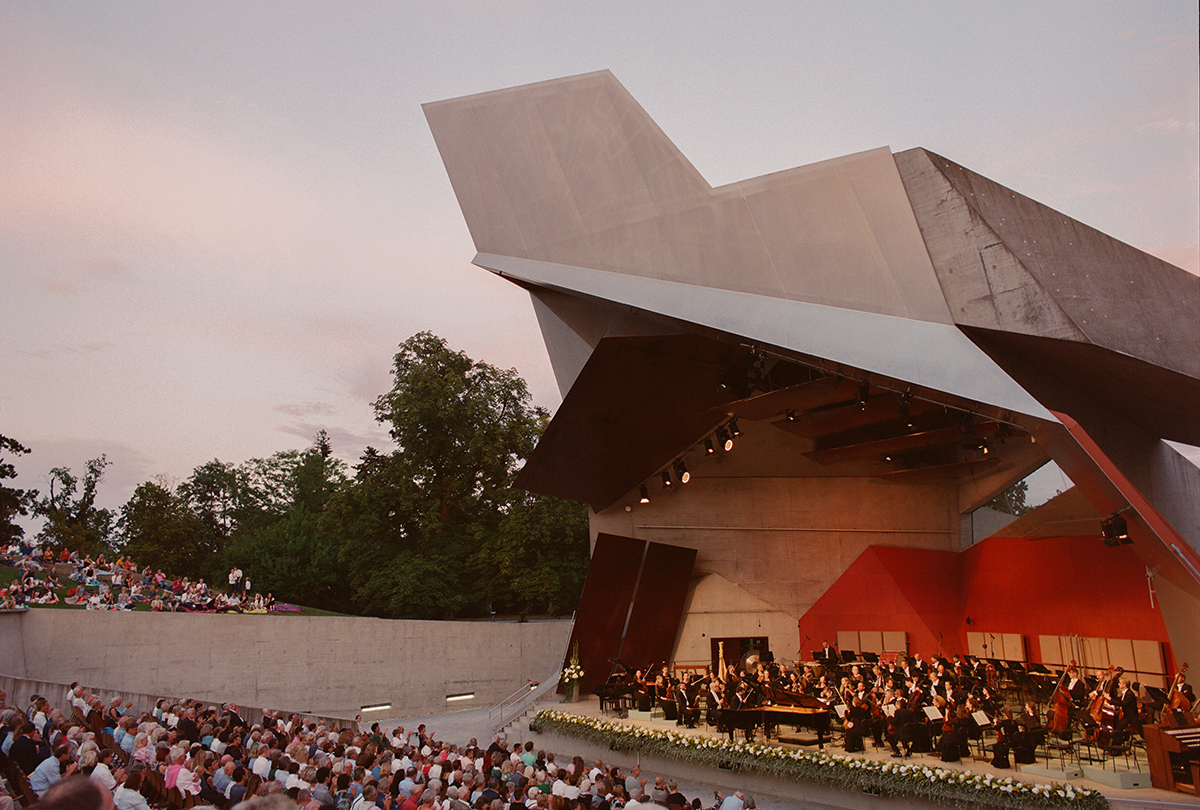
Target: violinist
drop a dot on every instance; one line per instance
(846, 692)
(899, 733)
(1031, 724)
(643, 691)
(953, 744)
(1007, 736)
(858, 723)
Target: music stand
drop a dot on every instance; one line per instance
(870, 657)
(848, 657)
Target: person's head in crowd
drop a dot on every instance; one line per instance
(76, 793)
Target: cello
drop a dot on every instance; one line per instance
(1058, 719)
(1102, 709)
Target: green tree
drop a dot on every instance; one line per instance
(1012, 500)
(294, 560)
(216, 491)
(538, 560)
(72, 519)
(281, 546)
(418, 528)
(13, 501)
(158, 527)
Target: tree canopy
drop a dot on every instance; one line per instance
(431, 527)
(13, 501)
(436, 528)
(72, 519)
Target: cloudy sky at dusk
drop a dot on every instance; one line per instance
(219, 219)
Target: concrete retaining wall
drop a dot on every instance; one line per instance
(312, 664)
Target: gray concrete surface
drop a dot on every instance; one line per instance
(313, 664)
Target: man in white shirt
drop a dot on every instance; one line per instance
(261, 764)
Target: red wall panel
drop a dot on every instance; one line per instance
(1050, 586)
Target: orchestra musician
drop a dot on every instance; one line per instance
(899, 734)
(1129, 719)
(686, 705)
(857, 724)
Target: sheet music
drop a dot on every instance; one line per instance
(889, 709)
(840, 709)
(933, 713)
(981, 719)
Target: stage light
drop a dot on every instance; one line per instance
(375, 707)
(723, 380)
(983, 447)
(681, 471)
(666, 477)
(643, 494)
(790, 415)
(725, 439)
(1115, 530)
(708, 447)
(733, 427)
(887, 459)
(460, 696)
(864, 394)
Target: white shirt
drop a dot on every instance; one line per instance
(261, 766)
(104, 776)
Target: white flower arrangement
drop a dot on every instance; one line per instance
(573, 672)
(939, 785)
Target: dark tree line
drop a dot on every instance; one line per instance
(430, 528)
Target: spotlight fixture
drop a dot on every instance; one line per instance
(887, 459)
(1115, 530)
(983, 447)
(723, 380)
(708, 447)
(725, 439)
(733, 427)
(864, 394)
(666, 477)
(681, 471)
(790, 415)
(643, 494)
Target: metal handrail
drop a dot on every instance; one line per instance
(519, 701)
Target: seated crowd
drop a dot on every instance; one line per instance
(216, 758)
(98, 584)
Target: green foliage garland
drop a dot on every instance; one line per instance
(938, 785)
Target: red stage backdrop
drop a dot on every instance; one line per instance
(1048, 586)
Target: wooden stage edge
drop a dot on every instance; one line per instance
(1119, 799)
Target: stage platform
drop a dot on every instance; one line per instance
(1041, 772)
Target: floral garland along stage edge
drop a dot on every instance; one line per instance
(939, 785)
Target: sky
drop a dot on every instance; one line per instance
(218, 220)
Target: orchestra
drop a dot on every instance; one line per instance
(910, 704)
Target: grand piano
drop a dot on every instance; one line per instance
(1174, 755)
(616, 693)
(777, 707)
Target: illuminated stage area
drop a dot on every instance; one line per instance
(588, 712)
(787, 400)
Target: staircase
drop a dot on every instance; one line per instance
(513, 713)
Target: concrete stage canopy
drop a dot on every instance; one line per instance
(887, 340)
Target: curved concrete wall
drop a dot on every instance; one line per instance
(313, 664)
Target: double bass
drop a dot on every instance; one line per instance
(1178, 705)
(1058, 718)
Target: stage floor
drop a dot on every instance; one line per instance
(1118, 797)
